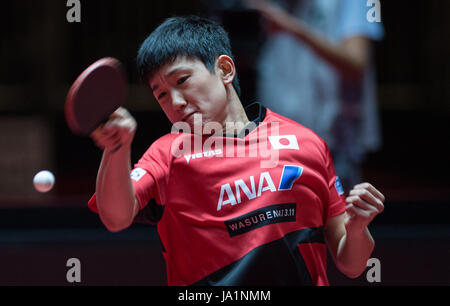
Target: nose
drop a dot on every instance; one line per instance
(178, 100)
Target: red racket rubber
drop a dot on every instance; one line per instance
(95, 95)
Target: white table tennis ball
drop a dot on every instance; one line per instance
(43, 181)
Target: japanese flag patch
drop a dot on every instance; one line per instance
(137, 174)
(284, 142)
(338, 186)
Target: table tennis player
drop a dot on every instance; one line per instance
(225, 219)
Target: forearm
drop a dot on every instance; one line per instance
(114, 191)
(347, 236)
(348, 58)
(353, 252)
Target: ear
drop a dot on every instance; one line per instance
(226, 69)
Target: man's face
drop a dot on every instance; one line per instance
(186, 87)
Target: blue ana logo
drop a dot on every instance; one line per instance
(289, 176)
(229, 195)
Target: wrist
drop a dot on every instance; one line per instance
(357, 233)
(121, 148)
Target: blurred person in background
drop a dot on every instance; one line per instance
(320, 52)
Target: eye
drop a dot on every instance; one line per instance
(182, 80)
(161, 95)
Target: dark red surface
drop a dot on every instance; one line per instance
(95, 95)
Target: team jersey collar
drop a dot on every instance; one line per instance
(256, 114)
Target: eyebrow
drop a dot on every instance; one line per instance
(154, 88)
(171, 72)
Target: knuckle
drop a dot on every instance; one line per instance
(364, 192)
(359, 199)
(367, 185)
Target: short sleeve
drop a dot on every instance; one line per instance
(353, 21)
(156, 163)
(143, 185)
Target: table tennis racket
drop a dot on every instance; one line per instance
(95, 95)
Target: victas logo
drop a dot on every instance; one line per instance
(230, 194)
(210, 153)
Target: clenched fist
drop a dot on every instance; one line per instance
(364, 203)
(117, 132)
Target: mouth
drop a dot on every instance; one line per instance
(187, 116)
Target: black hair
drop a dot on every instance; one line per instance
(190, 36)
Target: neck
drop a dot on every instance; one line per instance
(236, 118)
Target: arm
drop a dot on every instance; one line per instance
(349, 58)
(116, 200)
(347, 236)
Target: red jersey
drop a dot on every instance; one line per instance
(248, 213)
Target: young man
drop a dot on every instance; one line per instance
(225, 218)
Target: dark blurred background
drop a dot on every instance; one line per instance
(42, 54)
